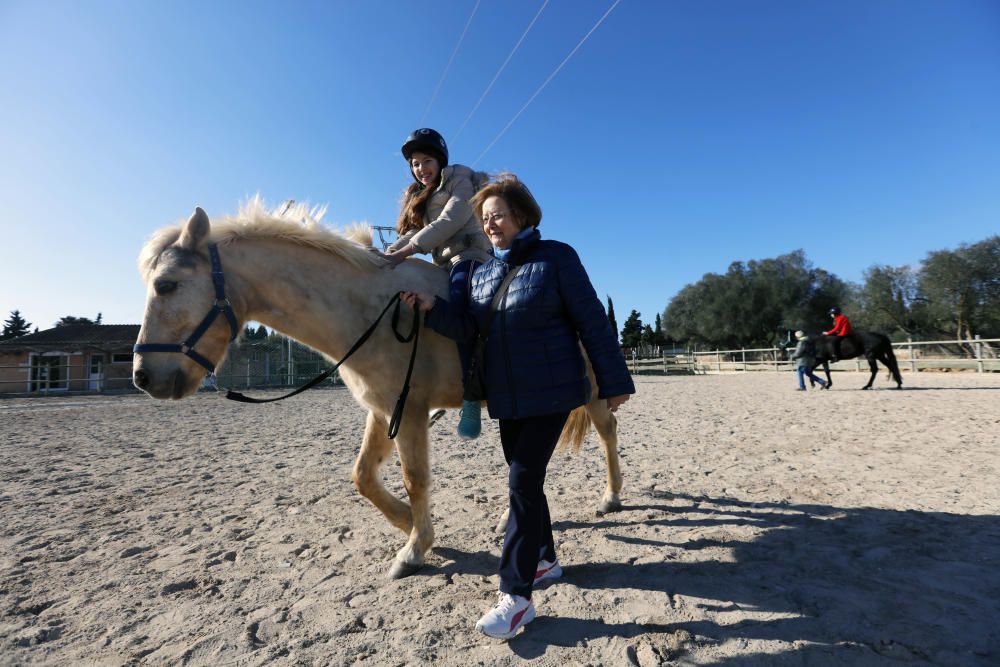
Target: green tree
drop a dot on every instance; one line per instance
(889, 301)
(611, 316)
(659, 338)
(647, 337)
(72, 319)
(14, 326)
(752, 303)
(962, 287)
(254, 334)
(632, 331)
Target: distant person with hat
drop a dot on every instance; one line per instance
(436, 218)
(841, 328)
(805, 360)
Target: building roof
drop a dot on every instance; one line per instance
(97, 335)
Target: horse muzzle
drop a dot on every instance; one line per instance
(172, 385)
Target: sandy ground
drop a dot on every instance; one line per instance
(762, 526)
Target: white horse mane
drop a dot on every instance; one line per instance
(295, 223)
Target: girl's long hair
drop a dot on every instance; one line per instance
(411, 213)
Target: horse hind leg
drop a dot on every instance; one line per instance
(888, 359)
(606, 425)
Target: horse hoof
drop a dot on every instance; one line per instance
(609, 506)
(865, 388)
(400, 570)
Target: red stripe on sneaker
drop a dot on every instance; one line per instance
(541, 573)
(517, 618)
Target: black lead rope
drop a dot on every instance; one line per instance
(397, 413)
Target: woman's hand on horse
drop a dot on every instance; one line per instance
(614, 402)
(417, 300)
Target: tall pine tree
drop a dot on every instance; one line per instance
(632, 331)
(14, 326)
(611, 316)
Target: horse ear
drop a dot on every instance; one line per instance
(195, 230)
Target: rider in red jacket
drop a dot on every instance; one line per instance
(841, 327)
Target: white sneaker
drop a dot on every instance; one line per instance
(547, 570)
(510, 614)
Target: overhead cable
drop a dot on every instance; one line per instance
(499, 71)
(444, 74)
(546, 82)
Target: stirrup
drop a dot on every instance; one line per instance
(435, 417)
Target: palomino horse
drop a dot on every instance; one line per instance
(323, 289)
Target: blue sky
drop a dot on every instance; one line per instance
(680, 137)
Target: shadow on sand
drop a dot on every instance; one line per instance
(844, 586)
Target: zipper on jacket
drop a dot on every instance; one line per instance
(506, 349)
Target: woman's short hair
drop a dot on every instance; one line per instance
(517, 195)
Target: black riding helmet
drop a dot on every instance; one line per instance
(835, 310)
(428, 141)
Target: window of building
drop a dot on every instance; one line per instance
(121, 358)
(49, 372)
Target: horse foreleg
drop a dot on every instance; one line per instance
(829, 379)
(607, 430)
(873, 366)
(411, 443)
(374, 450)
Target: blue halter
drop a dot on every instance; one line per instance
(221, 305)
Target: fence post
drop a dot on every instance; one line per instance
(663, 356)
(718, 361)
(775, 359)
(743, 354)
(913, 362)
(979, 354)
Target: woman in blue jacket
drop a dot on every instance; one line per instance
(535, 373)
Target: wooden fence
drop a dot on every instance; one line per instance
(980, 355)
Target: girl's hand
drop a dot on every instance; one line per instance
(615, 401)
(396, 258)
(417, 300)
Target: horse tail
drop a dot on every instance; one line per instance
(893, 365)
(576, 429)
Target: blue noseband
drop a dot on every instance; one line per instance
(221, 305)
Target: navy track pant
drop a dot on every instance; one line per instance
(527, 446)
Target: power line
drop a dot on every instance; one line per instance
(499, 71)
(450, 60)
(546, 82)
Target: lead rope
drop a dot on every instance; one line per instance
(397, 413)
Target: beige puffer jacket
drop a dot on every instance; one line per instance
(451, 233)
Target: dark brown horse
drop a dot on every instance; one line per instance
(872, 346)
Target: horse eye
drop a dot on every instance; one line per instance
(165, 286)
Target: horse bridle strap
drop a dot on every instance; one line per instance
(397, 413)
(221, 305)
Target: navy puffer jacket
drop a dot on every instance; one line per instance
(534, 365)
